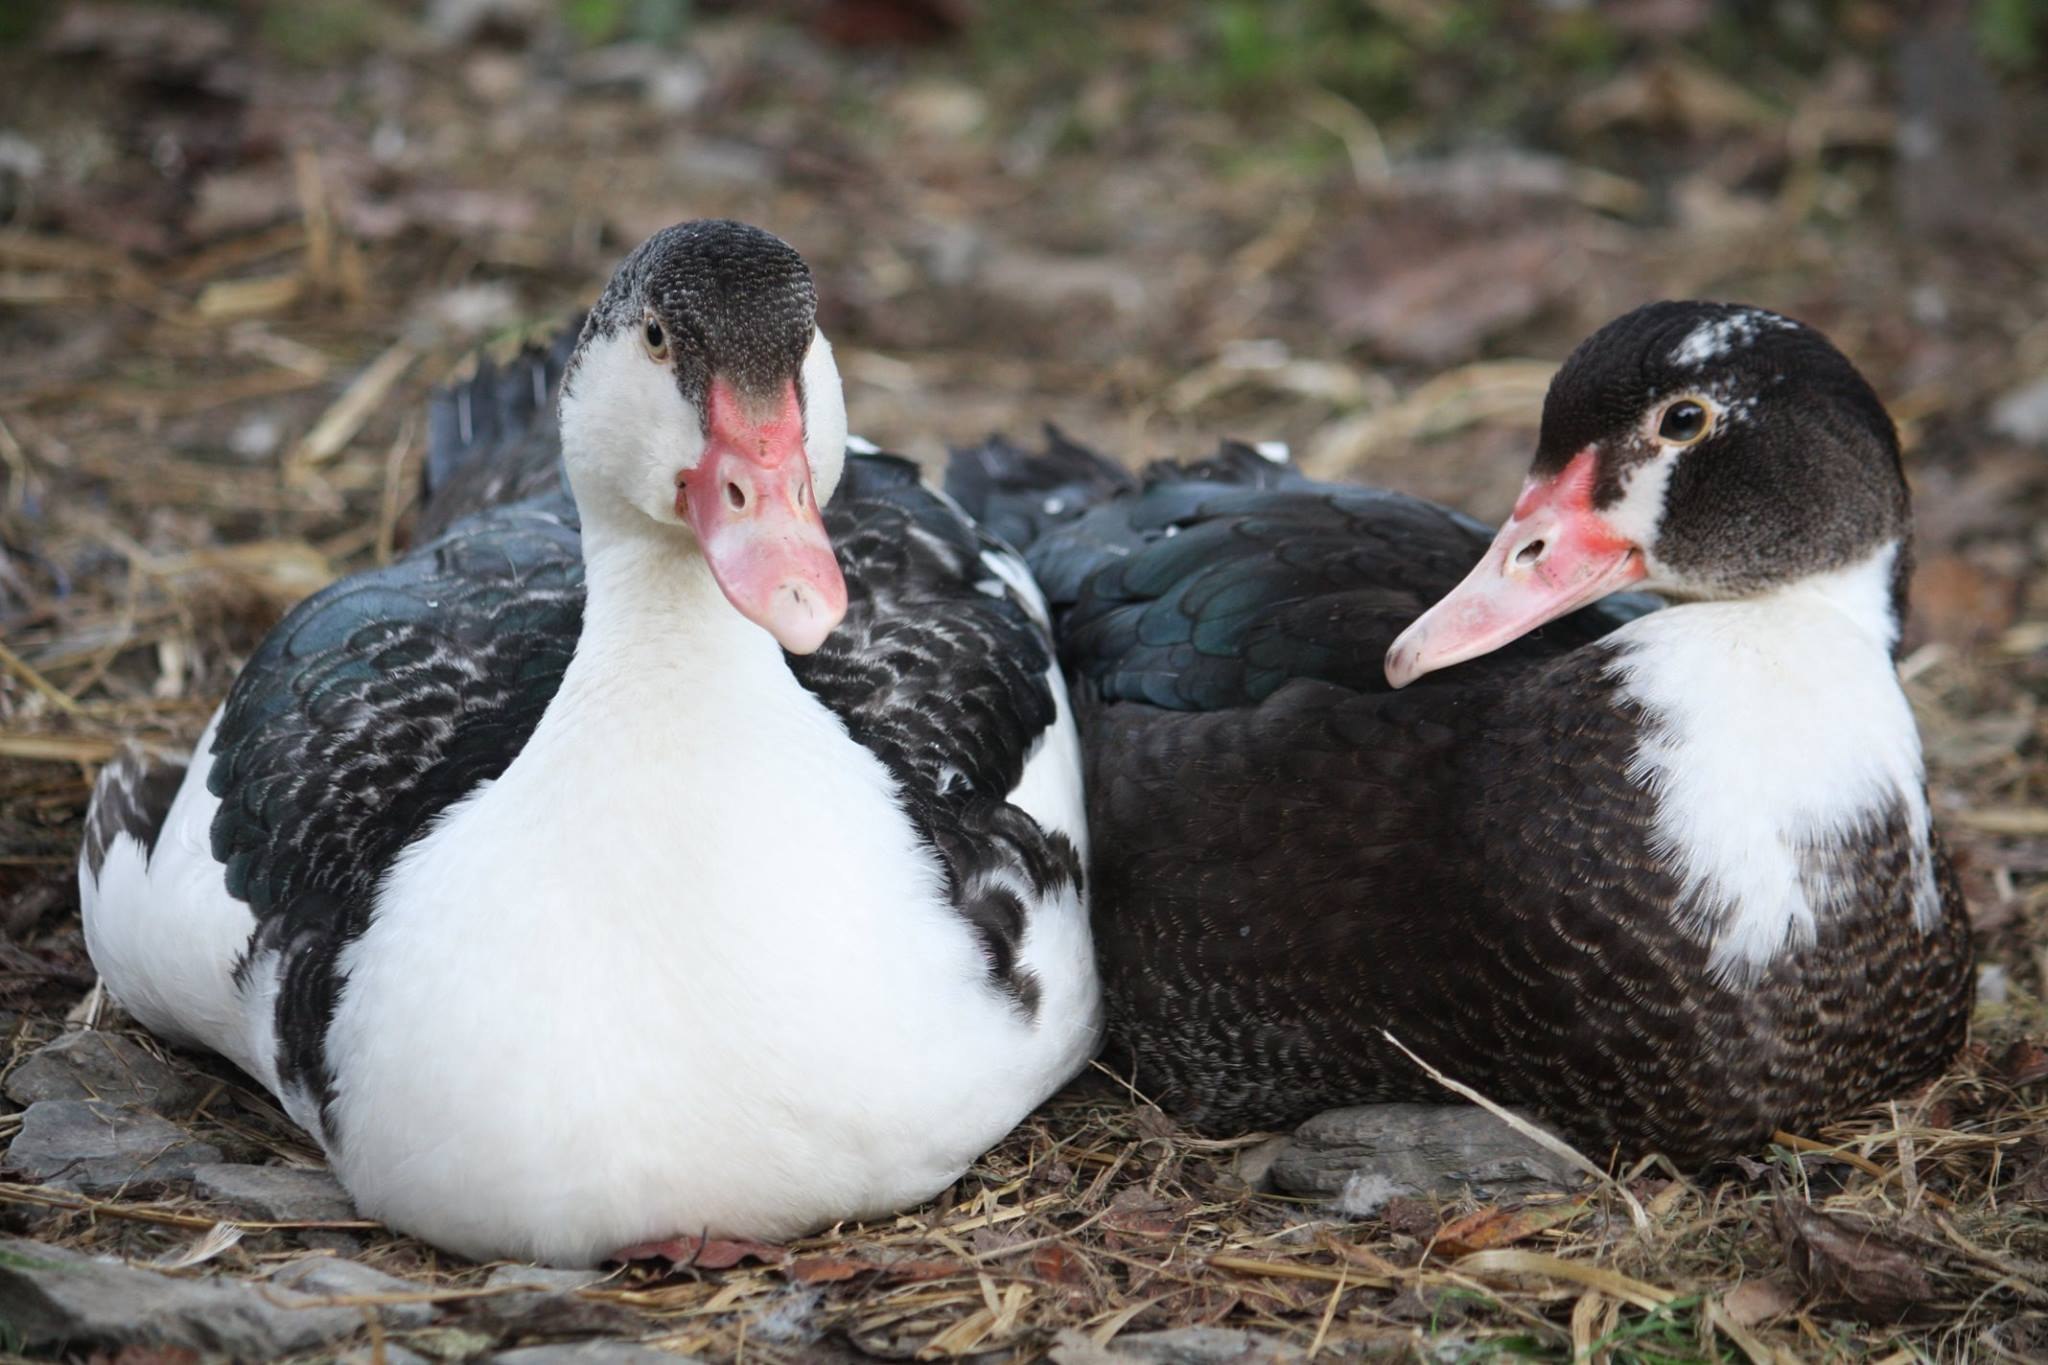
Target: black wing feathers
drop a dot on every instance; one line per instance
(371, 708)
(1218, 582)
(940, 670)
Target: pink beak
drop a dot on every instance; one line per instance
(751, 503)
(1554, 555)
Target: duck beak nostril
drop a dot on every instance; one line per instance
(1556, 554)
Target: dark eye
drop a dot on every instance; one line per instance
(657, 340)
(1684, 422)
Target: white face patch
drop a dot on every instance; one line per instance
(1641, 506)
(825, 438)
(1777, 731)
(1710, 341)
(627, 429)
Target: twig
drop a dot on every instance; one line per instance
(1291, 1270)
(21, 668)
(1815, 1147)
(43, 1197)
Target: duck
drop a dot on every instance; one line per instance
(682, 844)
(1616, 814)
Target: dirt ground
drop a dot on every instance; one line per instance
(240, 242)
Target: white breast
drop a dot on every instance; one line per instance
(1775, 725)
(766, 1019)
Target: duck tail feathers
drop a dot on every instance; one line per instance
(1266, 464)
(1021, 494)
(492, 438)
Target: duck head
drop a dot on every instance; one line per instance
(702, 398)
(1696, 450)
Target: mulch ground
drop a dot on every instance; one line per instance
(238, 247)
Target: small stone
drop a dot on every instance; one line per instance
(51, 1295)
(275, 1194)
(587, 1353)
(542, 1277)
(91, 1065)
(99, 1148)
(1370, 1155)
(331, 1277)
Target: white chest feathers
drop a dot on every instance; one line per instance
(1776, 734)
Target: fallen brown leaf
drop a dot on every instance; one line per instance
(1754, 1301)
(1849, 1264)
(824, 1269)
(2024, 1063)
(1498, 1227)
(1057, 1265)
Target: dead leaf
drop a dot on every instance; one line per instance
(1140, 1214)
(833, 1269)
(1851, 1265)
(824, 1269)
(2024, 1063)
(700, 1253)
(1057, 1265)
(1754, 1301)
(723, 1255)
(1498, 1227)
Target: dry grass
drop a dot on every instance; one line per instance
(145, 556)
(1100, 1218)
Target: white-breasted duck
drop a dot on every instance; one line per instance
(582, 880)
(1665, 877)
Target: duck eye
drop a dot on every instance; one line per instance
(1684, 422)
(657, 340)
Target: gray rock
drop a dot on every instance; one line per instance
(587, 1353)
(1365, 1156)
(52, 1295)
(1180, 1346)
(91, 1065)
(275, 1194)
(97, 1148)
(541, 1277)
(331, 1277)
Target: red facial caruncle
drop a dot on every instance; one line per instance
(1554, 555)
(751, 502)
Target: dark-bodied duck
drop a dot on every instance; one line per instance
(1665, 877)
(585, 890)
